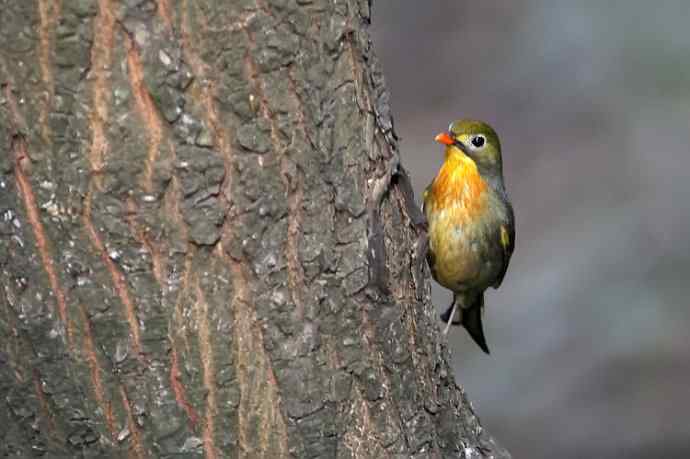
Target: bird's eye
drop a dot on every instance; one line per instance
(478, 141)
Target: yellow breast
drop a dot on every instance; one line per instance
(454, 205)
(458, 186)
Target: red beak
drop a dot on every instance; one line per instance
(444, 138)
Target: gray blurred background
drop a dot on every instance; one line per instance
(590, 332)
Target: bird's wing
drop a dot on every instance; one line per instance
(507, 240)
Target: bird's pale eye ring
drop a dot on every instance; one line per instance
(478, 141)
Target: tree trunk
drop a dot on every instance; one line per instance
(208, 248)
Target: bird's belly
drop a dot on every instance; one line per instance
(460, 253)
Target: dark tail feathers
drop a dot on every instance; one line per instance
(470, 318)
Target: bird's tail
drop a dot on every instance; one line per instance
(469, 315)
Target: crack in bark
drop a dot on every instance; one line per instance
(294, 188)
(119, 280)
(208, 371)
(248, 344)
(259, 395)
(200, 70)
(296, 283)
(163, 10)
(252, 74)
(294, 183)
(178, 387)
(101, 61)
(179, 323)
(49, 12)
(358, 438)
(154, 131)
(357, 75)
(301, 114)
(417, 219)
(42, 243)
(376, 253)
(263, 7)
(172, 200)
(295, 217)
(369, 339)
(137, 444)
(43, 402)
(21, 156)
(145, 107)
(142, 238)
(95, 370)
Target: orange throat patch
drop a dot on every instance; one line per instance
(459, 186)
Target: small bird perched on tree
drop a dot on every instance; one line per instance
(471, 222)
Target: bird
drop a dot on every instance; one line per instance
(471, 224)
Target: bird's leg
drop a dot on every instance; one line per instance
(452, 316)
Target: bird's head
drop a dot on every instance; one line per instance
(476, 140)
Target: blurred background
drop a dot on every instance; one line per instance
(590, 331)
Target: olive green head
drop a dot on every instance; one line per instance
(477, 140)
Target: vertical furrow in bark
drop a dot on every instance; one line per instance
(27, 194)
(388, 404)
(101, 58)
(153, 248)
(204, 103)
(293, 179)
(45, 410)
(38, 311)
(153, 129)
(261, 429)
(118, 279)
(49, 13)
(146, 110)
(29, 409)
(359, 436)
(164, 11)
(177, 385)
(21, 157)
(290, 174)
(90, 354)
(178, 339)
(138, 447)
(272, 412)
(101, 61)
(178, 327)
(209, 371)
(294, 188)
(299, 104)
(205, 79)
(261, 423)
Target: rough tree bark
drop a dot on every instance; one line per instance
(208, 246)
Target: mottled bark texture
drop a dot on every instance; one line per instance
(195, 204)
